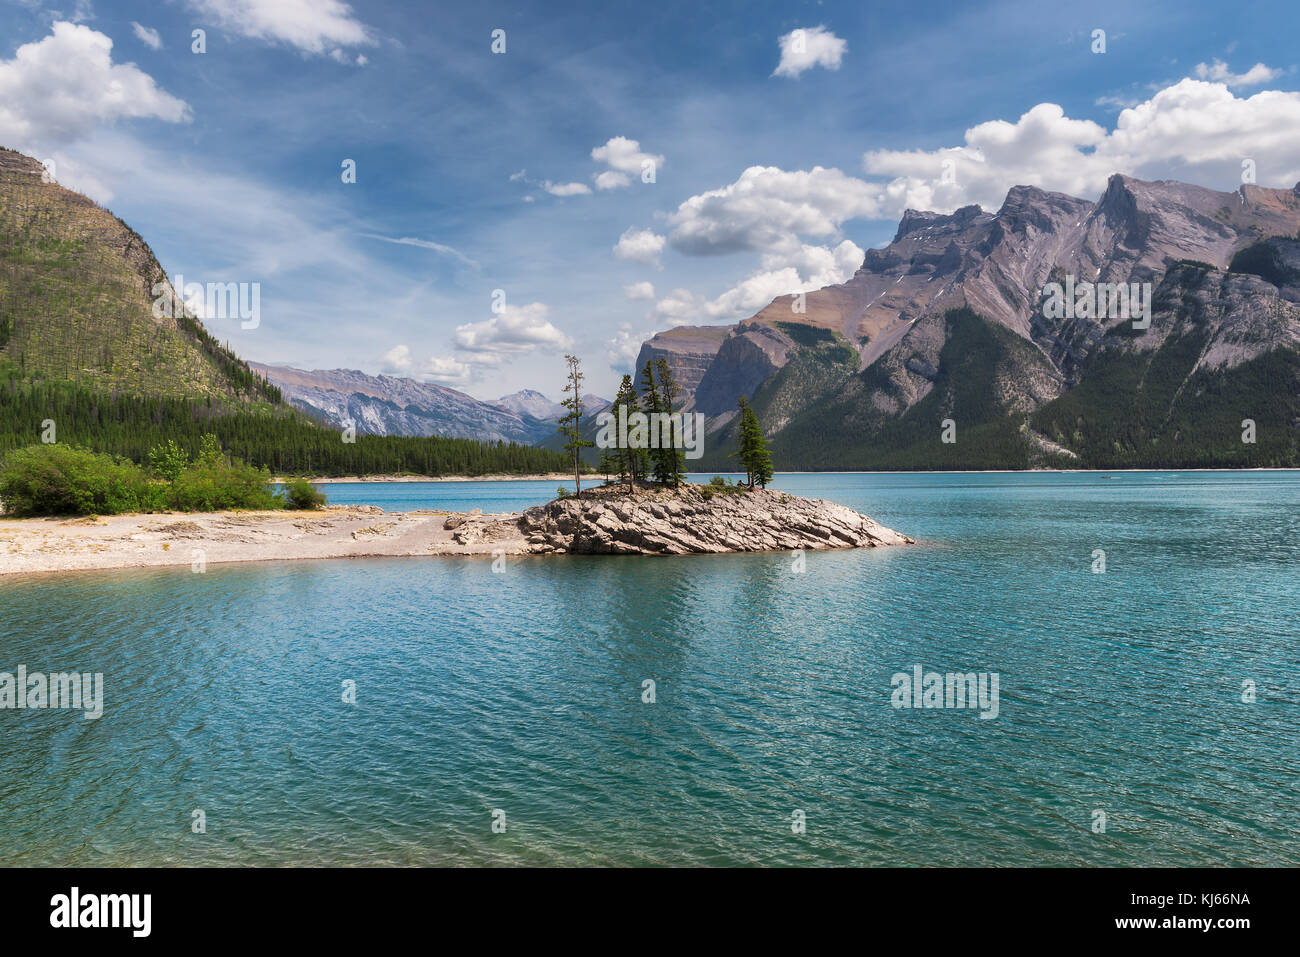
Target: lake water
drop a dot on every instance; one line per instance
(520, 691)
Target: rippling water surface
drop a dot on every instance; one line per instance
(521, 691)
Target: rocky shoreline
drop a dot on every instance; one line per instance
(691, 520)
(698, 519)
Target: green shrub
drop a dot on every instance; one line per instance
(719, 483)
(65, 480)
(209, 450)
(301, 494)
(208, 486)
(167, 460)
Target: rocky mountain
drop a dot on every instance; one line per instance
(77, 301)
(529, 402)
(393, 405)
(688, 350)
(948, 322)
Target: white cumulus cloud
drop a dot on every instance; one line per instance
(311, 26)
(789, 267)
(1218, 72)
(625, 159)
(641, 246)
(515, 330)
(58, 90)
(440, 369)
(397, 361)
(767, 205)
(447, 371)
(1196, 131)
(624, 347)
(808, 47)
(639, 291)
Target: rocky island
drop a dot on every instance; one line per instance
(697, 519)
(691, 519)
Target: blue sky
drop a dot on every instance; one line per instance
(229, 162)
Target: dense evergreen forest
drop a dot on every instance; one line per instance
(262, 434)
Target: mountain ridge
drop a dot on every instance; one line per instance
(894, 312)
(396, 405)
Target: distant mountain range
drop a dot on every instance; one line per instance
(530, 402)
(947, 322)
(394, 405)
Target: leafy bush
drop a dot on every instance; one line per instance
(64, 480)
(208, 486)
(301, 494)
(209, 450)
(167, 460)
(719, 483)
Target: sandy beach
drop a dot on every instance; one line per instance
(32, 545)
(650, 521)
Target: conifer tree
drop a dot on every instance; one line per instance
(669, 459)
(753, 451)
(571, 422)
(610, 464)
(650, 406)
(632, 461)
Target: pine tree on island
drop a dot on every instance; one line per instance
(633, 463)
(753, 451)
(660, 393)
(651, 407)
(571, 422)
(609, 465)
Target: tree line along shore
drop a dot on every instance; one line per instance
(193, 471)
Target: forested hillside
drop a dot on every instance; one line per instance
(82, 348)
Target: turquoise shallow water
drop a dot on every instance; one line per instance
(521, 691)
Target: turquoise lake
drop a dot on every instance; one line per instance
(521, 691)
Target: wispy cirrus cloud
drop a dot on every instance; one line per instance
(549, 186)
(442, 248)
(147, 35)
